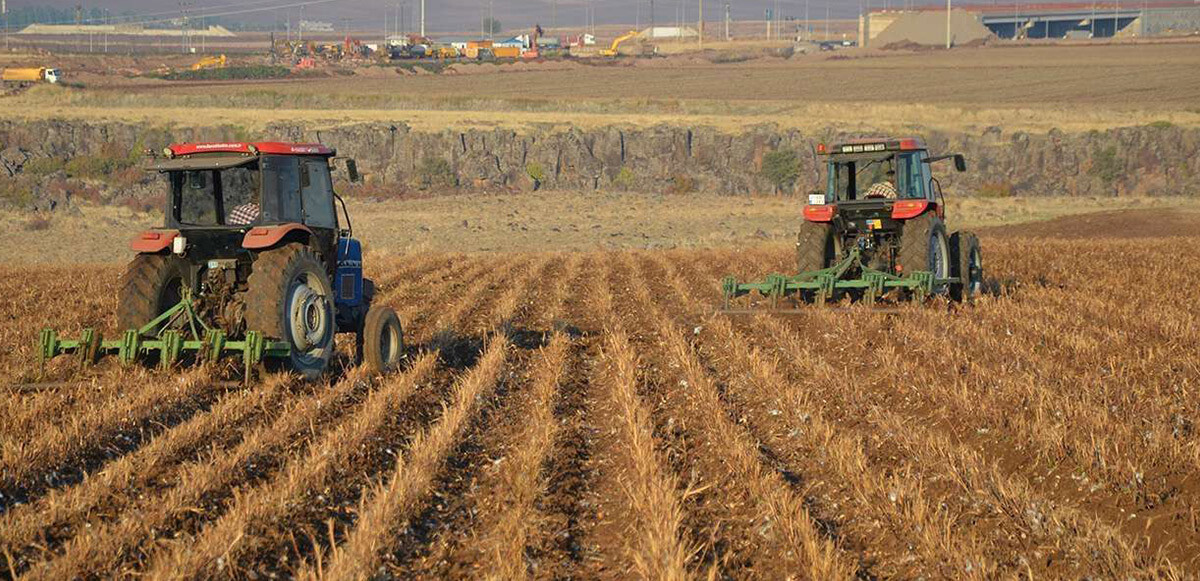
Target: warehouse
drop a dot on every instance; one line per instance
(926, 25)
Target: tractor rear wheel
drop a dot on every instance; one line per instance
(152, 283)
(968, 266)
(816, 246)
(289, 298)
(383, 340)
(924, 246)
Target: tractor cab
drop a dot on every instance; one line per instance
(876, 184)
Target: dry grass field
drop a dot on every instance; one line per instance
(533, 222)
(586, 415)
(1033, 88)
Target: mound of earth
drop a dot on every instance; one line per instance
(1155, 223)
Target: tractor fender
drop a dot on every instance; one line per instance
(262, 237)
(153, 241)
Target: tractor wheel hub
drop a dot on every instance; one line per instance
(309, 317)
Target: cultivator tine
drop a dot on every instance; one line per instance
(49, 348)
(214, 344)
(172, 348)
(131, 346)
(89, 347)
(252, 353)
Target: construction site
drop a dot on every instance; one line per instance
(787, 291)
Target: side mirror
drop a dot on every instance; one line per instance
(960, 162)
(352, 171)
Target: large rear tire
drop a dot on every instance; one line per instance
(383, 340)
(152, 283)
(968, 266)
(289, 298)
(816, 246)
(924, 246)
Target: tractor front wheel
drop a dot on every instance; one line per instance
(924, 246)
(382, 340)
(289, 298)
(152, 283)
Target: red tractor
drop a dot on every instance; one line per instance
(878, 229)
(252, 258)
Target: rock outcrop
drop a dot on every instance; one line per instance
(1144, 160)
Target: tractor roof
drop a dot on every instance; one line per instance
(871, 144)
(261, 147)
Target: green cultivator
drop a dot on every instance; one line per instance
(829, 284)
(175, 334)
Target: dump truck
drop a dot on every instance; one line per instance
(253, 260)
(878, 230)
(29, 76)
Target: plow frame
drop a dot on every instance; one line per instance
(169, 343)
(826, 283)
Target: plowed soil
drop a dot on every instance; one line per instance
(588, 415)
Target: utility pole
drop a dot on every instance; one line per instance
(947, 24)
(301, 32)
(775, 19)
(826, 22)
(1016, 20)
(422, 18)
(806, 27)
(1092, 22)
(4, 9)
(726, 21)
(700, 25)
(1117, 19)
(651, 19)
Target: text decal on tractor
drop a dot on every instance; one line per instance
(877, 230)
(253, 259)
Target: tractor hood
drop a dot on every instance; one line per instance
(201, 162)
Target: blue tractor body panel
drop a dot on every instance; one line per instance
(348, 280)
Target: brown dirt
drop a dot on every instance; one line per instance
(1047, 432)
(1113, 224)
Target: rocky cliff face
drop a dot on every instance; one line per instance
(1148, 160)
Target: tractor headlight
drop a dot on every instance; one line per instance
(179, 245)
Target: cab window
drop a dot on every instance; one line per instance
(911, 178)
(316, 191)
(222, 197)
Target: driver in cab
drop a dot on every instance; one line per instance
(886, 188)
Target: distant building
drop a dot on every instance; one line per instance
(314, 26)
(922, 25)
(665, 32)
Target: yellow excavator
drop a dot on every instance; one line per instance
(210, 62)
(616, 43)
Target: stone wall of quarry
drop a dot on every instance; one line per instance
(40, 160)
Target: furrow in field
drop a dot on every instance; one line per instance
(64, 451)
(445, 534)
(932, 458)
(208, 482)
(640, 500)
(453, 482)
(60, 513)
(457, 302)
(766, 529)
(201, 488)
(222, 543)
(386, 508)
(270, 547)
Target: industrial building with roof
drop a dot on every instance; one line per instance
(926, 25)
